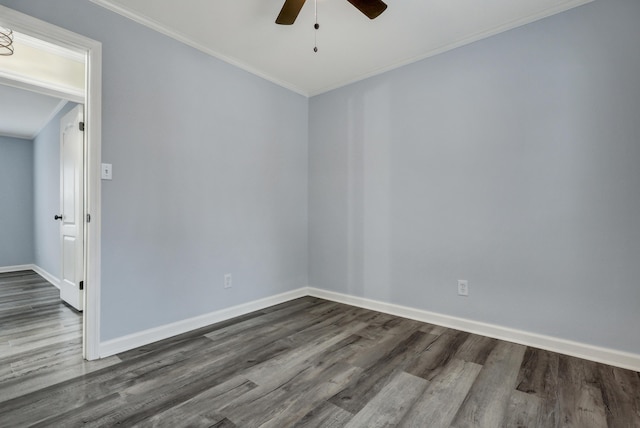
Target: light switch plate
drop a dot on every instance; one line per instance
(107, 171)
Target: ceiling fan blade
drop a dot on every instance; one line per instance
(289, 12)
(371, 8)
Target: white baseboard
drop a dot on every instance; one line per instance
(576, 349)
(126, 343)
(37, 269)
(17, 268)
(46, 275)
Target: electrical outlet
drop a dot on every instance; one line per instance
(227, 280)
(463, 287)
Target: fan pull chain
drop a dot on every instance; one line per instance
(316, 26)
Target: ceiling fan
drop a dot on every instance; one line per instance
(291, 9)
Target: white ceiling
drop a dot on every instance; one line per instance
(35, 84)
(44, 67)
(351, 47)
(23, 113)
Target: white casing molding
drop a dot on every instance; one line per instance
(92, 51)
(53, 49)
(562, 346)
(131, 341)
(41, 87)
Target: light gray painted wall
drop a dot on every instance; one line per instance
(46, 160)
(209, 175)
(511, 162)
(16, 202)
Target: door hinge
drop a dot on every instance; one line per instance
(81, 285)
(88, 218)
(81, 126)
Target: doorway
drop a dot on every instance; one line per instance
(90, 221)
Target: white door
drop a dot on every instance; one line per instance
(72, 204)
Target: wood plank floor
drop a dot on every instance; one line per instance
(305, 363)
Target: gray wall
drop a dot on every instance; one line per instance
(209, 175)
(511, 162)
(46, 181)
(16, 202)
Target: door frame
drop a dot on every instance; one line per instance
(37, 28)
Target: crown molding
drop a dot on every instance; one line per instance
(309, 92)
(462, 42)
(176, 35)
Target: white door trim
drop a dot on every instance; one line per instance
(93, 117)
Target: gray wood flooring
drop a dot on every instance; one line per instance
(305, 363)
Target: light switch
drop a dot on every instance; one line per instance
(107, 172)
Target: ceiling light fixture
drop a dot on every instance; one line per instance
(6, 42)
(291, 8)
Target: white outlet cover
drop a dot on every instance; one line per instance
(463, 287)
(227, 280)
